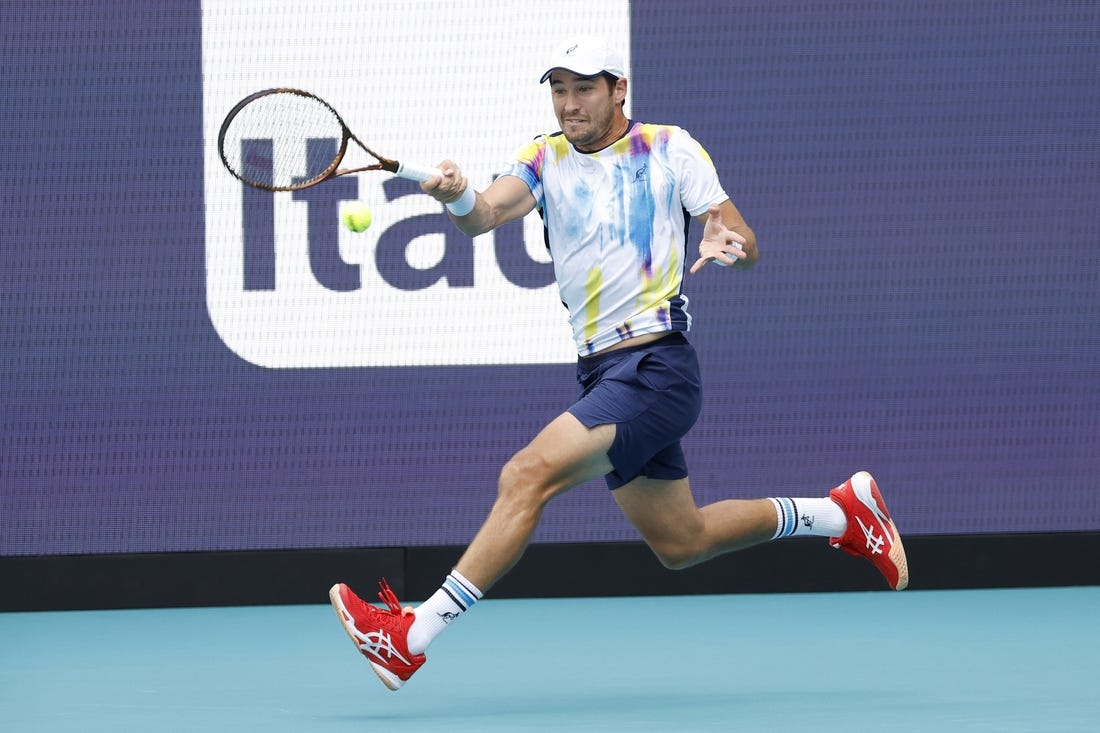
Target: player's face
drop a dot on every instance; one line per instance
(588, 109)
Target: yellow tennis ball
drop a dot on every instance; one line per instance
(356, 216)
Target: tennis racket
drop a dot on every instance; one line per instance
(263, 125)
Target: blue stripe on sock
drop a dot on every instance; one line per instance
(788, 517)
(456, 577)
(458, 604)
(467, 599)
(781, 518)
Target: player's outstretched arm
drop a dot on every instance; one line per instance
(506, 199)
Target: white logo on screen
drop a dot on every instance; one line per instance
(287, 285)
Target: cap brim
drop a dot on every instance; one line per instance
(578, 72)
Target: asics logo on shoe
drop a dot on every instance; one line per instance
(866, 511)
(381, 645)
(874, 542)
(862, 490)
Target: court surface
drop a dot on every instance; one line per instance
(943, 661)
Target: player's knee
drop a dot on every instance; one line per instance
(676, 555)
(676, 561)
(522, 481)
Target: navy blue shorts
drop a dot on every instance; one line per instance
(652, 394)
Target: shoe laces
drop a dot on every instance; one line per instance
(388, 597)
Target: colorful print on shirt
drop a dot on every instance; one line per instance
(616, 222)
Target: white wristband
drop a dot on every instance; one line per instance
(464, 204)
(739, 246)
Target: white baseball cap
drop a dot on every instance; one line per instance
(586, 56)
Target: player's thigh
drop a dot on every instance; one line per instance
(663, 511)
(564, 454)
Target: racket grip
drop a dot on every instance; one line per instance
(417, 173)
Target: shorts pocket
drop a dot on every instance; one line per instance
(654, 373)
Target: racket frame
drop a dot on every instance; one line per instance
(415, 173)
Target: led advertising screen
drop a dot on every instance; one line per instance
(188, 364)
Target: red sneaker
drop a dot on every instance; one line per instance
(381, 636)
(871, 533)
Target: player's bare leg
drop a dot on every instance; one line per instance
(563, 455)
(854, 517)
(683, 534)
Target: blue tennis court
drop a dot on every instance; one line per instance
(975, 660)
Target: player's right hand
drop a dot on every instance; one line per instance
(449, 186)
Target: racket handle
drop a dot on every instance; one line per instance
(417, 173)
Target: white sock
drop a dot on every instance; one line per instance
(456, 596)
(808, 517)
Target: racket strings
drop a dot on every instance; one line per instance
(283, 140)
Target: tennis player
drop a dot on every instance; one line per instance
(615, 196)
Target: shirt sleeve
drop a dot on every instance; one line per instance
(526, 165)
(699, 185)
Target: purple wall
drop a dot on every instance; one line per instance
(924, 182)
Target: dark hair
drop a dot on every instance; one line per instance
(611, 79)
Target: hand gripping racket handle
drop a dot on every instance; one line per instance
(416, 173)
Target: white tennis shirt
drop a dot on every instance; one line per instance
(616, 222)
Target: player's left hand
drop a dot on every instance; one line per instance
(720, 244)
